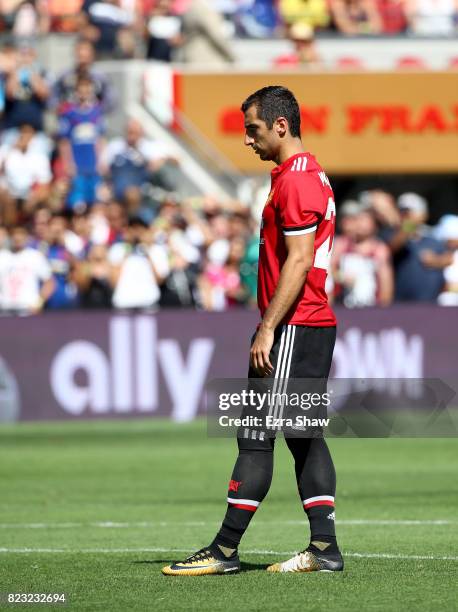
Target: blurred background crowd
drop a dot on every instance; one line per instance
(114, 25)
(92, 219)
(177, 29)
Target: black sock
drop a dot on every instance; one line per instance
(248, 486)
(316, 481)
(321, 519)
(222, 549)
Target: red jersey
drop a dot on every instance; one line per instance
(300, 201)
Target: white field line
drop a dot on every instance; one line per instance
(153, 524)
(245, 552)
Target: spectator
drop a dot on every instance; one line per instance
(305, 53)
(109, 26)
(21, 17)
(218, 249)
(61, 261)
(220, 284)
(26, 280)
(139, 268)
(117, 222)
(80, 227)
(249, 270)
(7, 65)
(134, 162)
(313, 13)
(95, 278)
(4, 239)
(446, 231)
(432, 17)
(25, 177)
(384, 207)
(393, 16)
(414, 280)
(64, 90)
(256, 18)
(353, 17)
(61, 16)
(26, 95)
(81, 129)
(73, 243)
(204, 38)
(40, 228)
(99, 229)
(163, 32)
(180, 285)
(361, 262)
(172, 228)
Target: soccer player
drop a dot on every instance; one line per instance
(295, 338)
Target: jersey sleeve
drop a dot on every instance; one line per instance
(301, 205)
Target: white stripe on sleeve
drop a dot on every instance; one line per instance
(299, 232)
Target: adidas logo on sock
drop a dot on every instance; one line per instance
(332, 516)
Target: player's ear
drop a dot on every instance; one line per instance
(281, 126)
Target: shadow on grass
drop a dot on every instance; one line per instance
(245, 567)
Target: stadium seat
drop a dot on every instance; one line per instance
(411, 62)
(290, 60)
(350, 63)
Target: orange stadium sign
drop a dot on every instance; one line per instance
(355, 123)
(386, 119)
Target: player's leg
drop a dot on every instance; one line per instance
(315, 472)
(316, 481)
(252, 475)
(248, 486)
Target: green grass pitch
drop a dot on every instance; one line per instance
(95, 509)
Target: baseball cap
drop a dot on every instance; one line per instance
(447, 228)
(351, 208)
(413, 202)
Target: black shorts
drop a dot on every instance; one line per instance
(298, 352)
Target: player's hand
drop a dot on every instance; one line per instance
(260, 351)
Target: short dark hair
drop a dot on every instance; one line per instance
(276, 101)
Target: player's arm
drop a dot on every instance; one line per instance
(292, 279)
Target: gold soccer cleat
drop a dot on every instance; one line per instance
(202, 563)
(307, 561)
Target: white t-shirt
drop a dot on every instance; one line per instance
(22, 170)
(137, 286)
(364, 289)
(451, 271)
(164, 26)
(20, 277)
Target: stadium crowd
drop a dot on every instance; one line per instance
(92, 222)
(168, 26)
